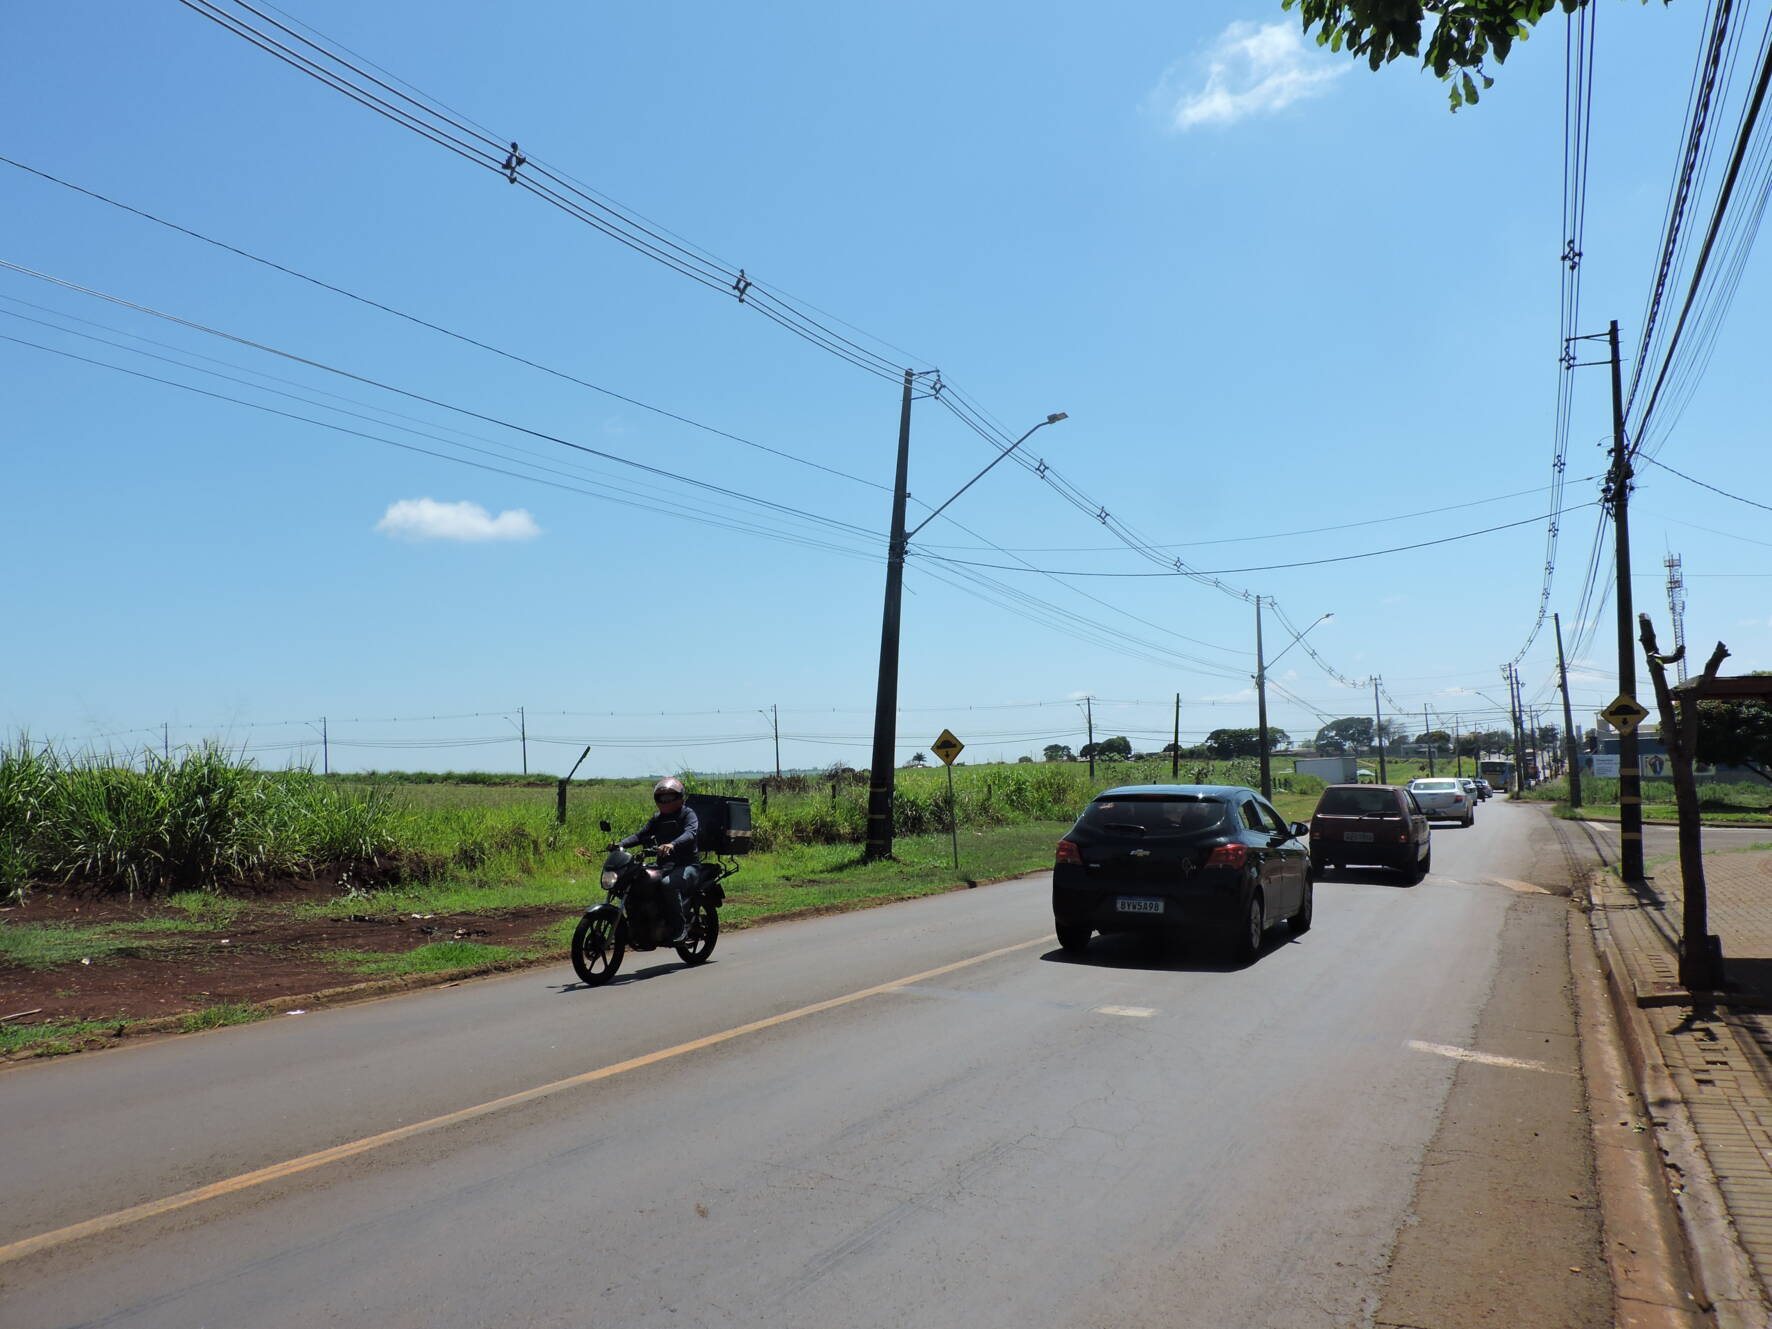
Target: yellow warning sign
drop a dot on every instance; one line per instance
(947, 747)
(1624, 714)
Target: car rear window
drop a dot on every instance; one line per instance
(1151, 814)
(1435, 786)
(1352, 801)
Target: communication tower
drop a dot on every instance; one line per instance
(1676, 606)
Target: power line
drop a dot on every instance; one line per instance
(1656, 461)
(1269, 567)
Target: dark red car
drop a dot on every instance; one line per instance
(1380, 824)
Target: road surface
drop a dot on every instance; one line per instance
(924, 1114)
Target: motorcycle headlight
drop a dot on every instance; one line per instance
(609, 878)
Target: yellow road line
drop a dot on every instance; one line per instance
(18, 1250)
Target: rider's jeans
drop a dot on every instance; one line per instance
(678, 882)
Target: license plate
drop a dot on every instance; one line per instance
(1359, 837)
(1126, 906)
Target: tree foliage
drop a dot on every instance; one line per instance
(1342, 736)
(1464, 34)
(1736, 733)
(1058, 752)
(1228, 744)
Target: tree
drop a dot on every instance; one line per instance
(1434, 738)
(1023, 758)
(1228, 744)
(1058, 752)
(1339, 736)
(1550, 737)
(1117, 746)
(1466, 33)
(1736, 733)
(918, 760)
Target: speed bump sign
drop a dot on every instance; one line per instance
(947, 747)
(1624, 714)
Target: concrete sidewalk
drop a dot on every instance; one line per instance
(1704, 1066)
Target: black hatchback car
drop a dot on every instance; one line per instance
(1181, 858)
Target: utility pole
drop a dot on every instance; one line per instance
(1378, 731)
(1457, 743)
(775, 723)
(1630, 789)
(1267, 778)
(880, 777)
(1519, 727)
(166, 740)
(1089, 712)
(1175, 745)
(1569, 718)
(325, 749)
(1427, 735)
(523, 736)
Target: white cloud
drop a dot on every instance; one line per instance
(427, 519)
(1252, 69)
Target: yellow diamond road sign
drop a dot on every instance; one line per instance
(1624, 714)
(947, 747)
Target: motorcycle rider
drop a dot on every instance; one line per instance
(673, 828)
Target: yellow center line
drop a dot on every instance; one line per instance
(18, 1250)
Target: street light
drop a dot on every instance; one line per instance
(881, 775)
(1267, 779)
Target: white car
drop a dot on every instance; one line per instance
(1445, 800)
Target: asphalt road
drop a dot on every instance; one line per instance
(921, 1114)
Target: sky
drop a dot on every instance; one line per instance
(1293, 310)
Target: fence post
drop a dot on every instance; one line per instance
(560, 793)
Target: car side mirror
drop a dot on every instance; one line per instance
(604, 826)
(1300, 828)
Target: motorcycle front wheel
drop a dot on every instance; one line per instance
(597, 948)
(704, 931)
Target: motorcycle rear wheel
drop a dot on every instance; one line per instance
(704, 931)
(597, 947)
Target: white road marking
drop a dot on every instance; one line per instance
(1483, 1058)
(1136, 1012)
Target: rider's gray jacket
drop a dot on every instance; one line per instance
(678, 829)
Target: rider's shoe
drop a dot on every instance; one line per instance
(680, 938)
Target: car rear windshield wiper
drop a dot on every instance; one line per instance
(1123, 826)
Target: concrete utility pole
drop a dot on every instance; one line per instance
(1089, 714)
(1427, 737)
(881, 775)
(1457, 743)
(1630, 788)
(523, 737)
(325, 749)
(1569, 718)
(1378, 731)
(1175, 743)
(775, 724)
(1267, 778)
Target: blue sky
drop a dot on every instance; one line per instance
(1274, 292)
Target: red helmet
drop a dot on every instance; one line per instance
(669, 785)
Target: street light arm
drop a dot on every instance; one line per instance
(1049, 420)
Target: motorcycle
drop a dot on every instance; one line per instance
(632, 916)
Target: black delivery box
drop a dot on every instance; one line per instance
(725, 823)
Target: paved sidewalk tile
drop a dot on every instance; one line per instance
(1719, 1057)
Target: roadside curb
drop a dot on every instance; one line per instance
(1724, 1273)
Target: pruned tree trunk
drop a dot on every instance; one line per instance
(1701, 961)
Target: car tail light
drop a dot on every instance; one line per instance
(1069, 853)
(1228, 856)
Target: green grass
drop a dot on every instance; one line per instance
(54, 1040)
(47, 945)
(214, 1017)
(435, 957)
